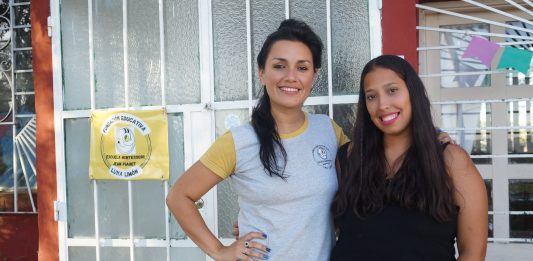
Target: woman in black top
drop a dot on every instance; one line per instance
(402, 195)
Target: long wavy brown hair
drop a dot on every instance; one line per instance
(422, 181)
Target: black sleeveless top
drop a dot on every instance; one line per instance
(395, 233)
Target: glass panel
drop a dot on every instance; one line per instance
(226, 119)
(5, 56)
(6, 99)
(5, 28)
(350, 44)
(520, 141)
(230, 51)
(108, 54)
(6, 160)
(26, 157)
(344, 116)
(144, 59)
(491, 226)
(521, 199)
(520, 195)
(115, 253)
(451, 60)
(22, 15)
(521, 226)
(181, 52)
(24, 82)
(176, 154)
(113, 208)
(25, 104)
(149, 197)
(518, 78)
(266, 16)
(471, 120)
(75, 55)
(4, 7)
(488, 185)
(22, 37)
(317, 109)
(23, 60)
(189, 253)
(150, 253)
(79, 187)
(228, 207)
(81, 253)
(314, 14)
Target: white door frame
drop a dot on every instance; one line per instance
(197, 117)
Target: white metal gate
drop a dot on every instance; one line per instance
(196, 59)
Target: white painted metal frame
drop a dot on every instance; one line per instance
(61, 216)
(500, 218)
(61, 115)
(23, 141)
(374, 11)
(13, 110)
(473, 18)
(191, 112)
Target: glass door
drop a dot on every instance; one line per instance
(197, 60)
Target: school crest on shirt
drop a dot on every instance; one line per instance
(322, 156)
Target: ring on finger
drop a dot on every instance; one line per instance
(246, 244)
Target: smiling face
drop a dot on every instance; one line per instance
(288, 74)
(388, 102)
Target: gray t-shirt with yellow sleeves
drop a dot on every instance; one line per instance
(294, 213)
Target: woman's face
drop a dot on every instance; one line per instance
(288, 74)
(388, 102)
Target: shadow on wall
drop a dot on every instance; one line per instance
(18, 235)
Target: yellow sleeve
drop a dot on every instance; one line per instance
(341, 137)
(220, 157)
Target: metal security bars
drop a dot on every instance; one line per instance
(89, 231)
(487, 109)
(17, 111)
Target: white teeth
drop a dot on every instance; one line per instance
(390, 117)
(287, 89)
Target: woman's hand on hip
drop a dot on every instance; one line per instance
(244, 249)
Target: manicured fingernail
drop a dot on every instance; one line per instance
(268, 249)
(265, 235)
(266, 257)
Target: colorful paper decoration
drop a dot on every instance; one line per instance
(485, 51)
(515, 58)
(482, 49)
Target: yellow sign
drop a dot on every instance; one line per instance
(129, 145)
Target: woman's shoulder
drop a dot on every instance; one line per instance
(454, 153)
(457, 160)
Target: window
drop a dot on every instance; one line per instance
(451, 61)
(521, 208)
(520, 135)
(17, 110)
(488, 110)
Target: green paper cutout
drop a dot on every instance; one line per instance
(516, 58)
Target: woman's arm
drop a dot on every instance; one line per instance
(471, 197)
(192, 185)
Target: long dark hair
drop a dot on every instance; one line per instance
(421, 183)
(262, 120)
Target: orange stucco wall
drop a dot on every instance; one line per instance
(45, 149)
(399, 21)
